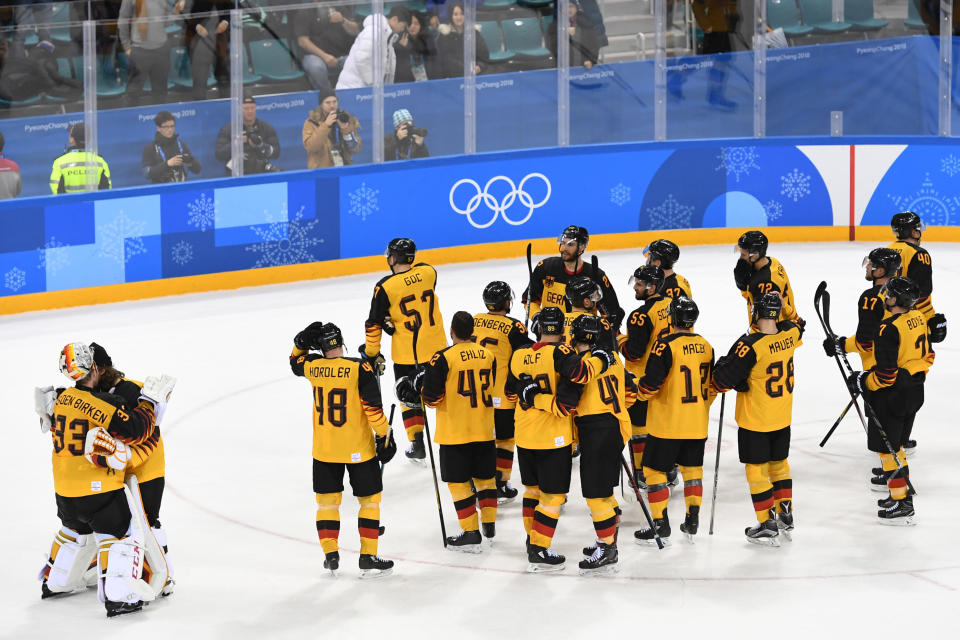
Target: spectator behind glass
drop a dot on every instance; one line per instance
(34, 75)
(167, 158)
(413, 52)
(325, 35)
(406, 141)
(329, 134)
(10, 183)
(260, 142)
(208, 44)
(358, 67)
(29, 13)
(450, 45)
(143, 37)
(583, 38)
(591, 9)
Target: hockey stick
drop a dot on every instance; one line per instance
(393, 408)
(716, 465)
(426, 432)
(526, 322)
(601, 306)
(822, 297)
(646, 512)
(837, 423)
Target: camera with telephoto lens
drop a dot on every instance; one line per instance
(415, 131)
(343, 116)
(253, 138)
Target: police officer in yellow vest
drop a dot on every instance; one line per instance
(75, 168)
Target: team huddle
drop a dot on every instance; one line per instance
(577, 378)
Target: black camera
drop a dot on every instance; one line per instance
(253, 138)
(187, 157)
(416, 131)
(343, 116)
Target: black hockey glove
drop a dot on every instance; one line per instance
(857, 382)
(305, 339)
(833, 346)
(742, 274)
(408, 394)
(606, 357)
(378, 362)
(937, 328)
(527, 390)
(386, 448)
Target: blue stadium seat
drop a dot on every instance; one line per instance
(180, 69)
(249, 77)
(523, 36)
(498, 4)
(490, 30)
(784, 14)
(860, 14)
(819, 15)
(914, 21)
(535, 3)
(59, 30)
(110, 83)
(274, 60)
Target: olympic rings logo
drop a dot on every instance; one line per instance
(501, 206)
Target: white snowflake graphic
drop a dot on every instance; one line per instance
(181, 253)
(121, 239)
(927, 202)
(795, 185)
(620, 194)
(738, 161)
(52, 256)
(950, 165)
(363, 201)
(285, 242)
(15, 279)
(670, 215)
(773, 209)
(202, 213)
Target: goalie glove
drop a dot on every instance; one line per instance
(43, 400)
(100, 444)
(157, 392)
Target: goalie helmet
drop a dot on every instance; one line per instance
(497, 296)
(403, 249)
(754, 242)
(904, 223)
(904, 292)
(551, 321)
(886, 259)
(580, 289)
(586, 329)
(76, 360)
(329, 338)
(683, 312)
(663, 250)
(767, 307)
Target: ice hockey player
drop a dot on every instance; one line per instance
(539, 379)
(893, 389)
(760, 367)
(92, 432)
(757, 273)
(645, 326)
(552, 275)
(501, 335)
(584, 297)
(350, 433)
(676, 385)
(458, 382)
(402, 301)
(664, 254)
(603, 425)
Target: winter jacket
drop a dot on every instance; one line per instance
(394, 149)
(358, 67)
(10, 183)
(583, 42)
(319, 140)
(417, 51)
(256, 158)
(156, 154)
(450, 51)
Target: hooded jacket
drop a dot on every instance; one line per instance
(358, 68)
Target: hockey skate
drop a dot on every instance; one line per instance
(373, 566)
(416, 452)
(542, 560)
(785, 519)
(332, 562)
(120, 608)
(879, 482)
(602, 561)
(489, 530)
(898, 514)
(910, 448)
(505, 492)
(764, 533)
(690, 524)
(648, 537)
(465, 542)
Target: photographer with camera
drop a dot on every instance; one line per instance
(167, 158)
(330, 133)
(260, 142)
(406, 141)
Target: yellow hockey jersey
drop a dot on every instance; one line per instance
(645, 326)
(917, 266)
(675, 285)
(459, 383)
(676, 385)
(548, 424)
(902, 349)
(407, 299)
(501, 335)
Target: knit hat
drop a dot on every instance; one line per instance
(400, 116)
(324, 93)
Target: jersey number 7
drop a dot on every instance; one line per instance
(427, 297)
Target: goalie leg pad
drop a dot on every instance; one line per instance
(121, 569)
(158, 572)
(70, 556)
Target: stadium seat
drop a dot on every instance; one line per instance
(59, 19)
(274, 60)
(498, 4)
(490, 31)
(180, 70)
(860, 14)
(249, 77)
(523, 36)
(546, 22)
(110, 83)
(914, 21)
(819, 15)
(784, 14)
(535, 3)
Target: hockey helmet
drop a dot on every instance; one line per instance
(328, 339)
(581, 289)
(884, 258)
(753, 242)
(403, 249)
(663, 250)
(551, 321)
(649, 274)
(76, 360)
(498, 296)
(585, 329)
(904, 223)
(579, 234)
(767, 307)
(904, 292)
(683, 312)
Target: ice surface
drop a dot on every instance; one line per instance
(240, 511)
